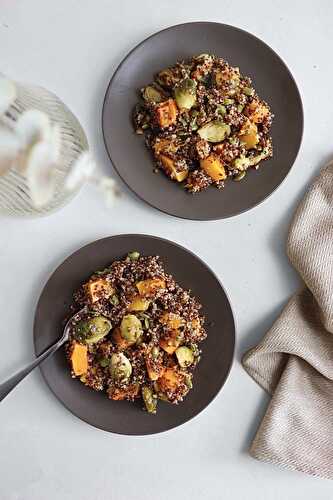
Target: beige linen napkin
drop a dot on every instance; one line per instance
(294, 361)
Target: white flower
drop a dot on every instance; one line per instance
(9, 148)
(40, 175)
(7, 93)
(108, 188)
(84, 170)
(32, 146)
(81, 171)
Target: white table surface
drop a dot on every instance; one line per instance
(72, 48)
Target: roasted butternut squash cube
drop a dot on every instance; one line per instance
(147, 288)
(97, 289)
(170, 380)
(164, 145)
(79, 359)
(173, 336)
(170, 169)
(172, 320)
(197, 330)
(121, 343)
(230, 75)
(139, 304)
(213, 167)
(154, 363)
(130, 392)
(256, 111)
(171, 341)
(249, 135)
(166, 113)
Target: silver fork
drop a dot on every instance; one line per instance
(8, 385)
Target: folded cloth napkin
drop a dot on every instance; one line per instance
(294, 361)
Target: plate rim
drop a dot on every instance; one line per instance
(208, 268)
(180, 25)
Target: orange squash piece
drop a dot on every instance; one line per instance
(172, 320)
(79, 359)
(154, 369)
(97, 289)
(256, 111)
(164, 145)
(213, 167)
(170, 380)
(148, 287)
(170, 341)
(130, 392)
(139, 304)
(166, 113)
(154, 362)
(172, 338)
(249, 135)
(122, 343)
(170, 169)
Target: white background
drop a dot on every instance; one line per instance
(72, 48)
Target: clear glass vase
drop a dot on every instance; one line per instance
(14, 192)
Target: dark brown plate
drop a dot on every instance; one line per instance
(272, 80)
(123, 417)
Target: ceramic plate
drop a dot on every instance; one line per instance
(273, 82)
(123, 417)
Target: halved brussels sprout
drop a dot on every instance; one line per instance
(214, 131)
(152, 94)
(248, 91)
(133, 255)
(92, 330)
(120, 367)
(228, 101)
(185, 94)
(149, 398)
(167, 78)
(259, 157)
(241, 163)
(221, 109)
(131, 328)
(184, 356)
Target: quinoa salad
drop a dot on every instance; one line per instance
(138, 334)
(204, 123)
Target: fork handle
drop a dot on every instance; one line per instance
(8, 385)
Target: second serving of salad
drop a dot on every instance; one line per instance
(204, 123)
(137, 334)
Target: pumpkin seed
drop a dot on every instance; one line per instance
(188, 380)
(248, 91)
(155, 352)
(134, 255)
(228, 101)
(240, 176)
(221, 109)
(114, 300)
(104, 362)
